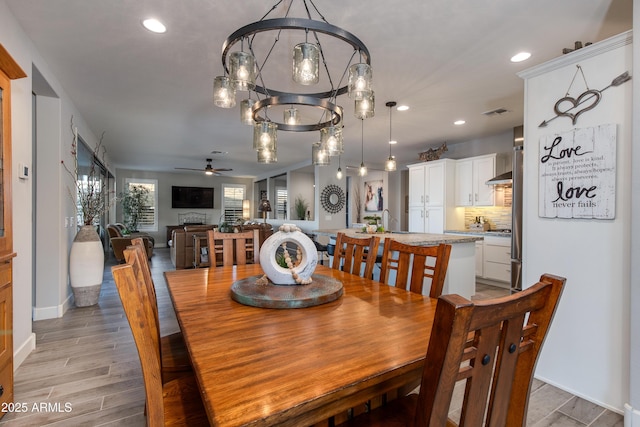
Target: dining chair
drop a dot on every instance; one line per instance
(234, 248)
(172, 403)
(413, 263)
(173, 350)
(352, 253)
(492, 346)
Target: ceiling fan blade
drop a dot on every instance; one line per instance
(221, 170)
(190, 169)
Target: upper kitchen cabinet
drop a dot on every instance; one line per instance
(431, 197)
(471, 176)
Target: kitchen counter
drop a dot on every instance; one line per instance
(420, 239)
(480, 232)
(460, 278)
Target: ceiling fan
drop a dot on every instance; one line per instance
(208, 170)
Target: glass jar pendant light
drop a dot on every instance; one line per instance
(224, 92)
(242, 70)
(246, 112)
(365, 107)
(360, 80)
(291, 116)
(331, 138)
(390, 164)
(265, 136)
(319, 154)
(306, 64)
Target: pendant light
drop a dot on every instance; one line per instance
(390, 164)
(306, 63)
(363, 169)
(365, 107)
(319, 154)
(360, 79)
(291, 116)
(242, 70)
(224, 92)
(246, 112)
(339, 173)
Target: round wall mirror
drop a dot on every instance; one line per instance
(332, 198)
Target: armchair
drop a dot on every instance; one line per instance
(119, 241)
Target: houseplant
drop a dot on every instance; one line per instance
(91, 199)
(300, 206)
(134, 200)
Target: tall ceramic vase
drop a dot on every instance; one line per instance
(86, 266)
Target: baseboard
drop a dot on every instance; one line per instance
(620, 411)
(54, 312)
(631, 416)
(23, 351)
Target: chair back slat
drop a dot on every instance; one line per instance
(135, 303)
(235, 248)
(353, 253)
(483, 345)
(413, 264)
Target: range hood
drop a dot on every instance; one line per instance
(502, 179)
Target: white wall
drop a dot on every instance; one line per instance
(587, 350)
(21, 49)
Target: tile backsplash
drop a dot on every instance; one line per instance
(497, 216)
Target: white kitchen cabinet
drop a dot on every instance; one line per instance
(471, 177)
(431, 197)
(497, 258)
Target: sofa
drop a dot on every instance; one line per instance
(120, 241)
(182, 239)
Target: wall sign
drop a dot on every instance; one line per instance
(577, 173)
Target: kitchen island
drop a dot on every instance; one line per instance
(460, 277)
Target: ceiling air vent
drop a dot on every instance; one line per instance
(496, 112)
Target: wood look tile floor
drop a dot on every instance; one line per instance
(85, 369)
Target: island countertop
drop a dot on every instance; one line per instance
(422, 239)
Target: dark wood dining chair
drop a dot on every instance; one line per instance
(425, 262)
(173, 350)
(492, 346)
(352, 253)
(171, 403)
(233, 248)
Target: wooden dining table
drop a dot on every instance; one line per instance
(297, 367)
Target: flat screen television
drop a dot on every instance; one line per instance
(191, 197)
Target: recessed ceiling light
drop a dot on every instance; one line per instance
(154, 26)
(459, 122)
(393, 142)
(519, 57)
(403, 107)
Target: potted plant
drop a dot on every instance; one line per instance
(134, 200)
(300, 206)
(372, 224)
(91, 199)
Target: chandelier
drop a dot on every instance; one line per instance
(324, 55)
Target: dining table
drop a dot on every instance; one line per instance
(297, 366)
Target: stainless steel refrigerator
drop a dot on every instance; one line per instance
(516, 210)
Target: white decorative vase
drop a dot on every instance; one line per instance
(283, 276)
(86, 266)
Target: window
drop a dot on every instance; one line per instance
(281, 202)
(148, 219)
(232, 196)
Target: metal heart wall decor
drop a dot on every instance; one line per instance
(589, 97)
(567, 106)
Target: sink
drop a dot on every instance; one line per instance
(401, 232)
